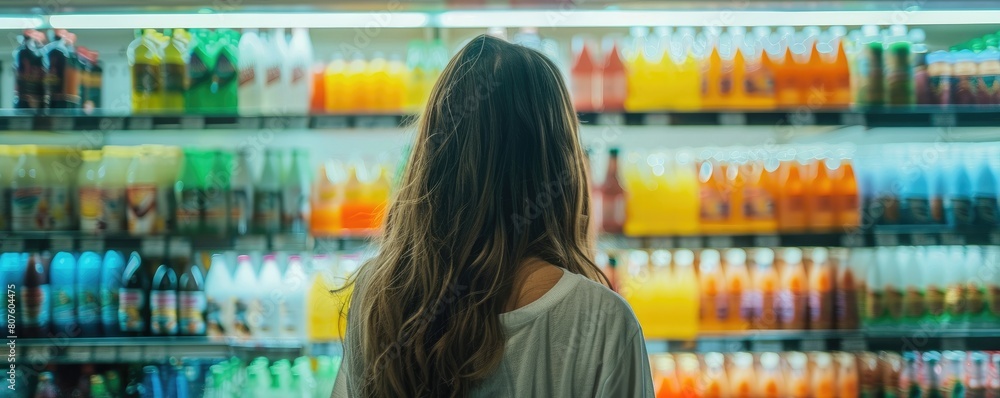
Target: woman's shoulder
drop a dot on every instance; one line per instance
(596, 300)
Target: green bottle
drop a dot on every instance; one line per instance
(190, 191)
(215, 205)
(175, 72)
(226, 80)
(201, 72)
(97, 388)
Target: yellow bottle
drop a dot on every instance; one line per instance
(147, 78)
(639, 193)
(682, 293)
(396, 93)
(416, 83)
(685, 195)
(175, 60)
(637, 72)
(356, 89)
(326, 310)
(662, 73)
(639, 283)
(687, 82)
(335, 84)
(377, 76)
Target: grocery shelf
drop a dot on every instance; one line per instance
(146, 349)
(986, 116)
(916, 338)
(15, 242)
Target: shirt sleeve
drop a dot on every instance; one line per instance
(629, 375)
(340, 384)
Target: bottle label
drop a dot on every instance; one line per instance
(298, 74)
(131, 303)
(163, 312)
(722, 307)
(225, 72)
(955, 300)
(146, 78)
(175, 80)
(791, 309)
(296, 206)
(60, 207)
(267, 211)
(963, 90)
(758, 204)
(961, 209)
(714, 205)
(35, 304)
(993, 300)
(747, 302)
(214, 210)
(188, 211)
(273, 74)
(709, 307)
(88, 306)
(239, 210)
(142, 209)
(913, 303)
(248, 73)
(846, 308)
(28, 76)
(975, 302)
(29, 209)
(940, 87)
(890, 209)
(919, 210)
(215, 324)
(893, 300)
(820, 309)
(90, 209)
(198, 74)
(241, 317)
(192, 312)
(759, 82)
(935, 301)
(63, 305)
(899, 77)
(766, 304)
(985, 209)
(109, 305)
(113, 212)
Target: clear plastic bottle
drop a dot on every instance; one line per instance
(88, 192)
(29, 210)
(267, 201)
(295, 192)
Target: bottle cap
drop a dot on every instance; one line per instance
(638, 258)
(797, 360)
(710, 258)
(764, 256)
(736, 257)
(684, 258)
(820, 255)
(792, 255)
(822, 359)
(769, 360)
(242, 258)
(661, 258)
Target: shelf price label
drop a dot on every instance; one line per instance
(192, 123)
(111, 124)
(689, 242)
(813, 345)
(77, 354)
(377, 122)
(953, 344)
(946, 119)
(155, 353)
(804, 118)
(21, 123)
(62, 123)
(766, 346)
(61, 243)
(656, 119)
(140, 123)
(661, 243)
(766, 241)
(922, 240)
(330, 122)
(130, 354)
(11, 245)
(92, 244)
(886, 240)
(852, 240)
(853, 344)
(105, 354)
(610, 119)
(732, 119)
(720, 242)
(853, 119)
(952, 239)
(248, 123)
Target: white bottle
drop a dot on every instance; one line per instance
(293, 301)
(276, 82)
(111, 176)
(246, 314)
(269, 296)
(300, 78)
(220, 294)
(252, 73)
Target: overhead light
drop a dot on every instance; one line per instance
(626, 18)
(21, 22)
(365, 20)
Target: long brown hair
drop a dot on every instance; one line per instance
(496, 176)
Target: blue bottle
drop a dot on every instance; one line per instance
(152, 385)
(984, 192)
(12, 267)
(88, 287)
(959, 196)
(916, 206)
(62, 284)
(111, 281)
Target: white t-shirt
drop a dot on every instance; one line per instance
(579, 339)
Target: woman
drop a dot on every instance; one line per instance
(484, 284)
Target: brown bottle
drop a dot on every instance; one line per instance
(612, 198)
(35, 298)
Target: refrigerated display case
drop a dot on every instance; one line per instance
(791, 194)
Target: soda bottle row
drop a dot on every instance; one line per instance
(95, 381)
(259, 299)
(952, 184)
(709, 290)
(302, 378)
(52, 72)
(734, 190)
(931, 287)
(827, 374)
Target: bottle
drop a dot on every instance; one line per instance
(769, 380)
(252, 73)
(62, 285)
(269, 294)
(90, 79)
(152, 384)
(940, 79)
(111, 281)
(202, 87)
(984, 189)
(739, 291)
(295, 192)
(793, 294)
(111, 181)
(323, 326)
(741, 376)
(958, 207)
(964, 70)
(988, 77)
(765, 291)
(956, 297)
(871, 88)
(356, 88)
(792, 214)
(758, 196)
(267, 200)
(615, 88)
(798, 376)
(146, 63)
(714, 195)
(215, 210)
(325, 206)
(29, 209)
(35, 298)
(586, 78)
(851, 287)
(46, 387)
(97, 387)
(88, 192)
(225, 78)
(29, 71)
(142, 194)
(62, 72)
(821, 288)
(163, 302)
(935, 284)
(300, 52)
(293, 300)
(978, 375)
(714, 297)
(88, 293)
(175, 76)
(245, 305)
(918, 61)
(846, 376)
(191, 301)
(190, 190)
(899, 89)
(241, 195)
(276, 83)
(913, 294)
(819, 201)
(133, 298)
(219, 297)
(612, 198)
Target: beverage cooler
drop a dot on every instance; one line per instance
(797, 198)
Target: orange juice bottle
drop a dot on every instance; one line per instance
(741, 376)
(792, 298)
(655, 291)
(845, 195)
(765, 290)
(639, 291)
(798, 375)
(638, 70)
(813, 91)
(840, 78)
(663, 72)
(770, 384)
(317, 100)
(714, 196)
(335, 83)
(759, 79)
(325, 215)
(682, 293)
(644, 191)
(847, 375)
(791, 199)
(820, 291)
(713, 78)
(823, 376)
(739, 295)
(820, 197)
(356, 88)
(665, 376)
(688, 82)
(735, 183)
(376, 83)
(377, 197)
(686, 199)
(689, 374)
(714, 302)
(716, 384)
(758, 198)
(396, 81)
(786, 80)
(737, 91)
(352, 208)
